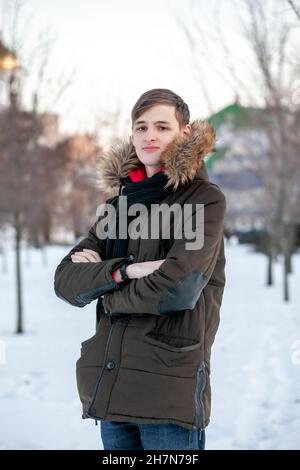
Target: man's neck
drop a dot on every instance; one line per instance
(151, 170)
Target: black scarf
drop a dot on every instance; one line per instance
(148, 191)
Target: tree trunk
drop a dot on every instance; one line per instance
(289, 263)
(291, 241)
(286, 295)
(46, 225)
(18, 275)
(270, 280)
(268, 250)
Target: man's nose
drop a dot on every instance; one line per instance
(150, 135)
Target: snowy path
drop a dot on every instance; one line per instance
(255, 384)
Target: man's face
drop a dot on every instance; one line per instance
(156, 127)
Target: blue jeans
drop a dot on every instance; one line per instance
(131, 436)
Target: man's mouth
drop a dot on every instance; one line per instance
(150, 149)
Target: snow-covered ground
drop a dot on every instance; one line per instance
(255, 361)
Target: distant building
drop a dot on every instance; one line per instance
(236, 169)
(8, 62)
(8, 59)
(50, 134)
(10, 69)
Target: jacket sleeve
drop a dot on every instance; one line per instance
(80, 283)
(179, 281)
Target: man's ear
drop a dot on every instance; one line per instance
(187, 129)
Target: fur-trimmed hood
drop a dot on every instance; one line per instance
(182, 159)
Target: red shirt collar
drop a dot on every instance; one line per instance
(140, 173)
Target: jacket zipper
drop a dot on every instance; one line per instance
(198, 398)
(101, 374)
(112, 322)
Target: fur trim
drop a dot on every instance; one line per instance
(182, 157)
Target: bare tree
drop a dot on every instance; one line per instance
(267, 36)
(21, 155)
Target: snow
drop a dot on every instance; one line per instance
(255, 360)
(255, 377)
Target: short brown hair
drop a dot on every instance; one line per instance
(161, 96)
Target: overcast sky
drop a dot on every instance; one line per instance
(114, 50)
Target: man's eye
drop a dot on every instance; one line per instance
(142, 127)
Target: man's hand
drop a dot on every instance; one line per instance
(138, 270)
(86, 256)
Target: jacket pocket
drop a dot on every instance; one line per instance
(171, 355)
(170, 343)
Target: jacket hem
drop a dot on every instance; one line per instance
(142, 420)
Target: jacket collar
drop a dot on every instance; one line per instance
(182, 159)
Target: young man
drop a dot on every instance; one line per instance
(145, 374)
